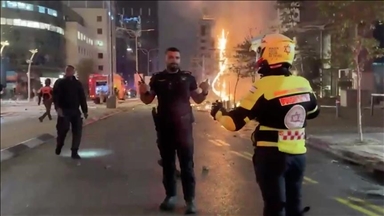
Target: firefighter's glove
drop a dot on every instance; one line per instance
(216, 108)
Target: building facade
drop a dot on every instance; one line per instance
(204, 65)
(33, 25)
(80, 43)
(140, 16)
(98, 21)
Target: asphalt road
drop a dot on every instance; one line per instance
(119, 175)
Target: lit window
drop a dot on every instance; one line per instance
(99, 43)
(24, 6)
(78, 35)
(81, 36)
(41, 9)
(149, 11)
(3, 4)
(11, 4)
(16, 22)
(3, 21)
(33, 24)
(52, 12)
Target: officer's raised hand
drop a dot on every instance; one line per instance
(204, 86)
(216, 108)
(143, 88)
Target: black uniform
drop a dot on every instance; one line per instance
(174, 129)
(69, 95)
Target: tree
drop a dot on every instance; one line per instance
(352, 40)
(85, 67)
(244, 58)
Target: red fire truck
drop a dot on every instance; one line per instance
(99, 87)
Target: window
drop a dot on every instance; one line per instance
(131, 11)
(32, 24)
(11, 4)
(99, 31)
(78, 35)
(52, 12)
(141, 11)
(203, 30)
(100, 55)
(99, 43)
(3, 4)
(101, 67)
(41, 9)
(99, 18)
(24, 6)
(149, 11)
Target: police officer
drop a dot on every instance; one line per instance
(45, 93)
(281, 103)
(68, 96)
(155, 120)
(173, 88)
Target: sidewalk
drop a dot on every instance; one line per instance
(369, 154)
(22, 129)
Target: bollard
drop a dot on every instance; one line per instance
(337, 108)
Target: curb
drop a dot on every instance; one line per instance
(369, 164)
(22, 147)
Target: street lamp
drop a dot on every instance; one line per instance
(29, 61)
(148, 52)
(136, 33)
(3, 44)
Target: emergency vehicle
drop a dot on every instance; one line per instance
(99, 87)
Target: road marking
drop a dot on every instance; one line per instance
(241, 155)
(249, 156)
(222, 142)
(310, 180)
(367, 204)
(353, 206)
(216, 143)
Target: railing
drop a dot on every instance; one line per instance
(373, 95)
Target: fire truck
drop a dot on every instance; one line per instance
(99, 87)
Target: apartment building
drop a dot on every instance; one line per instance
(205, 63)
(99, 20)
(80, 43)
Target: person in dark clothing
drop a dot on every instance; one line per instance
(45, 93)
(68, 96)
(173, 88)
(155, 120)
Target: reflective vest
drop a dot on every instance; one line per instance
(46, 92)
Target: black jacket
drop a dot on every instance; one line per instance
(69, 95)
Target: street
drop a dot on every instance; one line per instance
(119, 175)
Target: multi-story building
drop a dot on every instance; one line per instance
(99, 21)
(205, 63)
(139, 16)
(80, 43)
(33, 25)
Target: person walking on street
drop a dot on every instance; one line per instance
(45, 93)
(68, 96)
(173, 88)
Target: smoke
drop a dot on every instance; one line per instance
(178, 22)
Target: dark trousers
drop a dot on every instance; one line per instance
(178, 140)
(63, 125)
(280, 177)
(47, 105)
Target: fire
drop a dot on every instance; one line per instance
(222, 92)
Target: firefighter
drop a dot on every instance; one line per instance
(281, 103)
(174, 88)
(45, 93)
